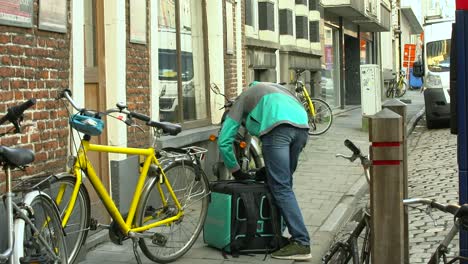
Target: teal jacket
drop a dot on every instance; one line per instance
(261, 108)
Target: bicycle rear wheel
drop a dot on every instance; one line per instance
(76, 229)
(323, 118)
(39, 237)
(171, 241)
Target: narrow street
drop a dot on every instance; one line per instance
(432, 174)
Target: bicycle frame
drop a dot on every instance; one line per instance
(309, 101)
(82, 163)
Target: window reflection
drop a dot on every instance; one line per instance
(194, 103)
(330, 84)
(438, 55)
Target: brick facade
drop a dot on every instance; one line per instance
(36, 64)
(230, 60)
(138, 81)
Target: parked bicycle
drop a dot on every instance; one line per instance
(246, 147)
(460, 213)
(319, 112)
(356, 246)
(170, 200)
(33, 227)
(398, 86)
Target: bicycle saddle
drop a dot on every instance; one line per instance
(16, 156)
(170, 128)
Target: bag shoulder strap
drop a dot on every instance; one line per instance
(252, 216)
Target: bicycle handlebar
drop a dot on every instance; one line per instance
(172, 129)
(448, 208)
(15, 113)
(365, 162)
(352, 147)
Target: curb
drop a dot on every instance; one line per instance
(414, 121)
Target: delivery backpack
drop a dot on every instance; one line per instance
(243, 218)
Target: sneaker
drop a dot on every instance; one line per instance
(294, 251)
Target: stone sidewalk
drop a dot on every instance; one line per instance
(326, 187)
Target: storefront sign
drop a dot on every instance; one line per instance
(16, 13)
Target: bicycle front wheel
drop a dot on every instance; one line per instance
(172, 240)
(338, 255)
(389, 92)
(323, 118)
(77, 225)
(39, 236)
(401, 90)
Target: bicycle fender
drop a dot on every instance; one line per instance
(257, 150)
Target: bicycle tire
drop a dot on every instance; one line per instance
(76, 229)
(338, 255)
(323, 119)
(389, 91)
(365, 245)
(400, 91)
(45, 218)
(150, 205)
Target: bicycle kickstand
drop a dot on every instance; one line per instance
(135, 250)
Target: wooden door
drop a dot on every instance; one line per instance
(95, 94)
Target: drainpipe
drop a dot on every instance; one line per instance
(399, 36)
(342, 66)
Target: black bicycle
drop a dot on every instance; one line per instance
(356, 246)
(460, 213)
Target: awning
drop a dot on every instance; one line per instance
(416, 27)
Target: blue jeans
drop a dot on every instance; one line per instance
(281, 147)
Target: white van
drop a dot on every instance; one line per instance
(437, 43)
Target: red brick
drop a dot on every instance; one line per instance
(15, 50)
(6, 72)
(5, 39)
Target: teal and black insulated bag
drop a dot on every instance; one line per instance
(242, 218)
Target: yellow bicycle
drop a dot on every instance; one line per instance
(398, 86)
(319, 112)
(170, 200)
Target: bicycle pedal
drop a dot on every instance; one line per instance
(159, 239)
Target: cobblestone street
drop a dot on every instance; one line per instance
(433, 174)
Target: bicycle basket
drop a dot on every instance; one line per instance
(87, 125)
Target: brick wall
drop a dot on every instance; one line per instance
(230, 60)
(35, 64)
(138, 79)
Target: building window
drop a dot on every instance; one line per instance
(183, 95)
(301, 2)
(314, 33)
(301, 27)
(266, 16)
(249, 16)
(313, 5)
(286, 22)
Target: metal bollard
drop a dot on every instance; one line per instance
(386, 188)
(399, 107)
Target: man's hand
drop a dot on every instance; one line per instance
(240, 175)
